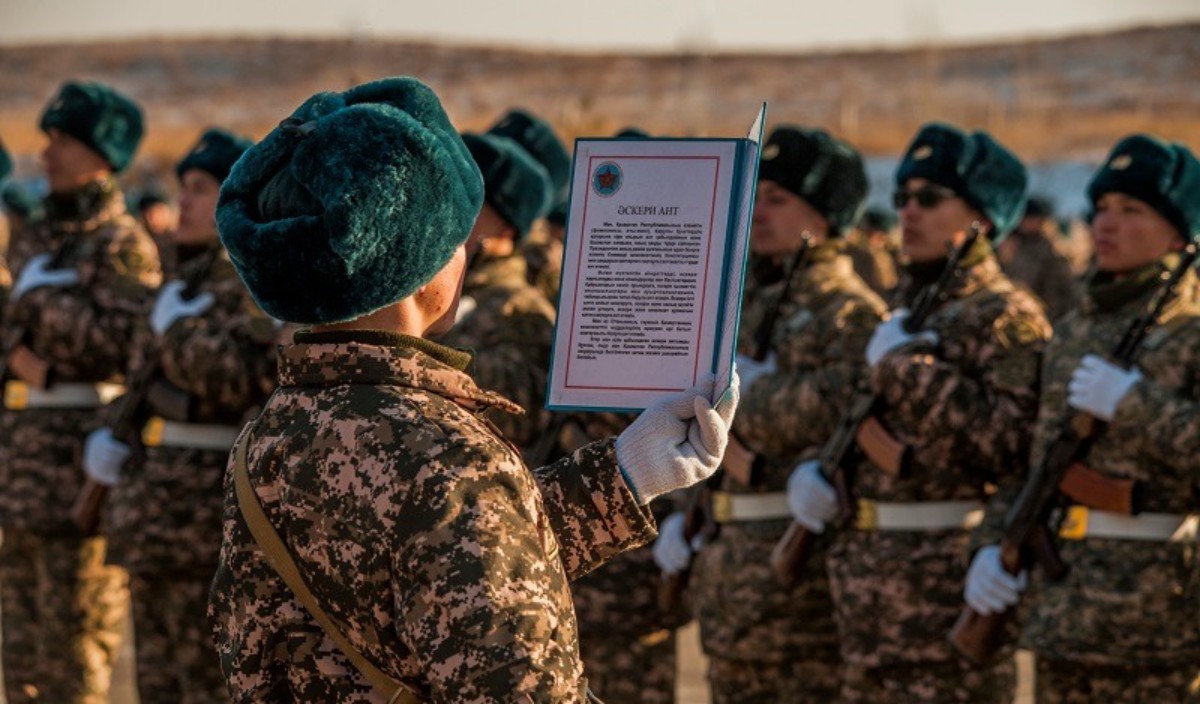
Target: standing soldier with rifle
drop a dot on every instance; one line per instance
(806, 320)
(956, 396)
(1119, 619)
(87, 275)
(203, 362)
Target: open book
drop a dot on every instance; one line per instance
(653, 264)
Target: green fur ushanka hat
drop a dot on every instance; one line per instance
(513, 183)
(6, 165)
(537, 137)
(20, 201)
(109, 123)
(1165, 176)
(215, 153)
(351, 204)
(826, 172)
(975, 166)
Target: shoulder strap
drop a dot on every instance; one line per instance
(281, 560)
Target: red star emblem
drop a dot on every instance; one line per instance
(607, 179)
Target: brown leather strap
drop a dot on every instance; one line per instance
(281, 560)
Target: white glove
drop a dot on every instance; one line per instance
(812, 501)
(171, 306)
(677, 441)
(1097, 386)
(750, 369)
(890, 334)
(671, 551)
(104, 456)
(35, 275)
(990, 588)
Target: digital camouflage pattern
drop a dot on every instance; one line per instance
(512, 330)
(1060, 682)
(747, 619)
(74, 611)
(1032, 261)
(1126, 602)
(543, 260)
(953, 681)
(440, 556)
(875, 263)
(756, 682)
(630, 669)
(64, 616)
(164, 516)
(176, 660)
(966, 409)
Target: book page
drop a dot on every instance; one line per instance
(644, 270)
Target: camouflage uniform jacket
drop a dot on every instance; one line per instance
(1127, 602)
(512, 329)
(966, 409)
(440, 556)
(1036, 264)
(83, 331)
(165, 514)
(818, 338)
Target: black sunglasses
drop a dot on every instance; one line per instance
(928, 196)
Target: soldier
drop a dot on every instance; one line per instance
(960, 395)
(206, 359)
(8, 225)
(1122, 625)
(20, 207)
(805, 322)
(86, 273)
(502, 314)
(436, 558)
(1031, 258)
(872, 248)
(542, 249)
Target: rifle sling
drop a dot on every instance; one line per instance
(282, 562)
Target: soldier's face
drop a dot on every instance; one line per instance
(198, 191)
(490, 229)
(781, 218)
(1128, 234)
(71, 164)
(438, 298)
(930, 231)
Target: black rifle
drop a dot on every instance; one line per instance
(1031, 523)
(860, 429)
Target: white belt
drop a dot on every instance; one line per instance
(19, 396)
(916, 516)
(1083, 522)
(159, 432)
(730, 508)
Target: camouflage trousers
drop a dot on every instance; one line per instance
(931, 683)
(63, 613)
(757, 682)
(1066, 682)
(630, 670)
(176, 660)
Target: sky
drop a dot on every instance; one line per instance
(598, 25)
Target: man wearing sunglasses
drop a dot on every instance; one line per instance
(961, 395)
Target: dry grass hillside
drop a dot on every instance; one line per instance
(1062, 99)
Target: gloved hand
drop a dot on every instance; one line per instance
(1097, 386)
(990, 588)
(890, 334)
(35, 274)
(678, 441)
(812, 501)
(104, 456)
(171, 306)
(750, 369)
(671, 551)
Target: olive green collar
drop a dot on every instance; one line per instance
(450, 356)
(1107, 293)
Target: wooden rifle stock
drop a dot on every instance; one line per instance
(672, 585)
(1087, 487)
(882, 448)
(1030, 527)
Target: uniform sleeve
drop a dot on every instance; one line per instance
(1169, 425)
(594, 514)
(989, 412)
(796, 408)
(93, 323)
